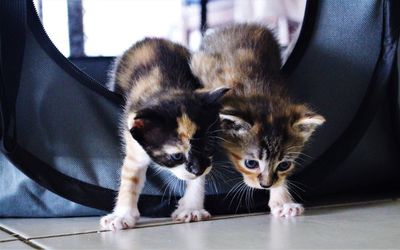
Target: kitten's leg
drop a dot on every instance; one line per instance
(281, 203)
(133, 176)
(191, 205)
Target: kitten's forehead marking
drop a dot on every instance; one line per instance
(263, 165)
(263, 153)
(186, 129)
(272, 143)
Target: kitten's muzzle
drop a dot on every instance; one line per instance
(191, 168)
(197, 166)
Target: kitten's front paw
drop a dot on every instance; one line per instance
(287, 210)
(116, 222)
(187, 215)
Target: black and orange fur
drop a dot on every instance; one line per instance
(166, 121)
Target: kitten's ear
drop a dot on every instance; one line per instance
(137, 122)
(234, 125)
(212, 97)
(307, 123)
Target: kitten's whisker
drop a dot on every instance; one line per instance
(195, 150)
(298, 163)
(300, 158)
(216, 120)
(299, 197)
(295, 186)
(247, 199)
(293, 190)
(237, 194)
(298, 146)
(251, 201)
(212, 181)
(166, 185)
(225, 168)
(226, 161)
(224, 178)
(157, 170)
(215, 183)
(252, 196)
(234, 180)
(179, 188)
(236, 186)
(219, 138)
(299, 153)
(215, 131)
(242, 195)
(223, 162)
(299, 183)
(173, 189)
(224, 165)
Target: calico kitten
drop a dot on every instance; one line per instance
(263, 131)
(166, 121)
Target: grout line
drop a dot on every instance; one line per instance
(12, 235)
(355, 203)
(19, 238)
(147, 225)
(3, 241)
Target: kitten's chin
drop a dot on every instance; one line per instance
(187, 177)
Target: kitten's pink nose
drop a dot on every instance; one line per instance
(264, 182)
(265, 186)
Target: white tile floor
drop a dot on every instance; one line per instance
(374, 226)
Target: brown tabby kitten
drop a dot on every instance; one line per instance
(263, 132)
(166, 122)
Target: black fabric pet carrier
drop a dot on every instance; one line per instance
(59, 131)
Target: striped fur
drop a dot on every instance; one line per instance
(260, 124)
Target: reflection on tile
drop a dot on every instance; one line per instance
(14, 245)
(366, 226)
(40, 227)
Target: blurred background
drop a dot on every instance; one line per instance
(97, 28)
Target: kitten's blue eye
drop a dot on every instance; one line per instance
(283, 166)
(251, 164)
(177, 156)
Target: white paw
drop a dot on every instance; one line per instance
(287, 210)
(116, 222)
(187, 215)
